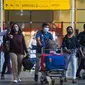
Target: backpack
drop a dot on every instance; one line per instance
(51, 44)
(27, 63)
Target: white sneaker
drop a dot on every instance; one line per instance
(15, 81)
(19, 80)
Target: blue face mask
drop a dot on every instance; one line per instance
(46, 29)
(16, 29)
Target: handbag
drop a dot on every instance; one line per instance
(27, 63)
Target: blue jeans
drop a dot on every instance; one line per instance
(72, 57)
(38, 61)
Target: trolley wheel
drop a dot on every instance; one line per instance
(53, 82)
(41, 82)
(61, 81)
(45, 80)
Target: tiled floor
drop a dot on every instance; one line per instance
(27, 79)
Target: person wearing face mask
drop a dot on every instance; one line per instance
(69, 46)
(16, 29)
(17, 50)
(41, 37)
(6, 42)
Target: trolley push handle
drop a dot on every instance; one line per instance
(44, 49)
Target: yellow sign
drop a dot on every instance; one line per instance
(36, 4)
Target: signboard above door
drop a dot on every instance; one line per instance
(37, 4)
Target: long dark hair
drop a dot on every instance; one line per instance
(12, 29)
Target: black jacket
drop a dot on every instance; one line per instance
(81, 38)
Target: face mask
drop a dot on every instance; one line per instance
(70, 32)
(16, 29)
(46, 29)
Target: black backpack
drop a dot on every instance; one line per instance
(27, 63)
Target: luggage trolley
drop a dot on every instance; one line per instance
(52, 65)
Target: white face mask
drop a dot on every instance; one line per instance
(17, 29)
(46, 29)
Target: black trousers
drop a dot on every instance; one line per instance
(81, 66)
(6, 62)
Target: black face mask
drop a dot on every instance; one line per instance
(70, 32)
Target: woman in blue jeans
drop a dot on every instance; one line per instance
(69, 46)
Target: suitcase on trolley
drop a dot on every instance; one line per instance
(52, 61)
(42, 61)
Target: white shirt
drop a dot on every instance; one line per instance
(3, 33)
(32, 42)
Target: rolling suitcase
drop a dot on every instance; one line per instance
(52, 61)
(55, 62)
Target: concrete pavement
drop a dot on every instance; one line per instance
(27, 79)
